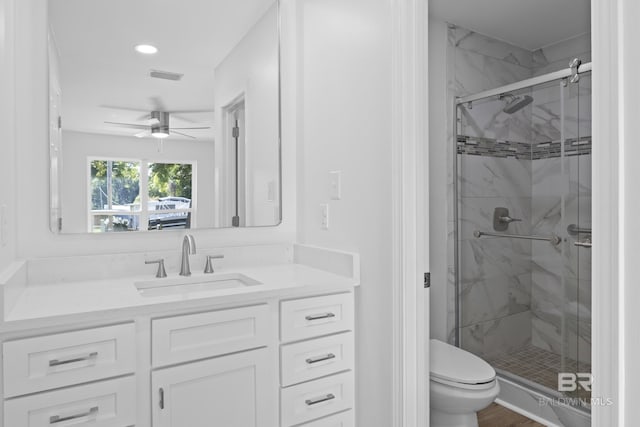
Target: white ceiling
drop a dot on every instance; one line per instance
(530, 24)
(104, 79)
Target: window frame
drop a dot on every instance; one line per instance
(144, 213)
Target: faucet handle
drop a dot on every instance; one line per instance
(209, 267)
(508, 220)
(161, 273)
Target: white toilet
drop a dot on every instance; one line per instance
(460, 385)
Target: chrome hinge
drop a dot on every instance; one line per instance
(427, 280)
(59, 122)
(235, 132)
(60, 224)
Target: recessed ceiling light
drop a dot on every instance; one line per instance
(147, 49)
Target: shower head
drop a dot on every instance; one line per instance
(516, 103)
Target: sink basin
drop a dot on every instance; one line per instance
(188, 286)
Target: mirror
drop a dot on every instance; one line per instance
(163, 115)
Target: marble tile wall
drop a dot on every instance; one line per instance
(518, 292)
(492, 289)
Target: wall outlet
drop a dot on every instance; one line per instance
(335, 184)
(324, 216)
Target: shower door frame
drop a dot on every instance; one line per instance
(513, 87)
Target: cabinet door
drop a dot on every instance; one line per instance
(239, 390)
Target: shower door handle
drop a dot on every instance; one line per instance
(586, 243)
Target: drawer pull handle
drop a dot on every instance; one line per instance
(317, 359)
(320, 316)
(55, 419)
(317, 400)
(57, 362)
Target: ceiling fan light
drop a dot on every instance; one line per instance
(146, 49)
(159, 134)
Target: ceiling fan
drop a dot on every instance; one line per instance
(157, 126)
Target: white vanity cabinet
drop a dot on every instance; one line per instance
(46, 363)
(234, 386)
(317, 361)
(235, 390)
(278, 362)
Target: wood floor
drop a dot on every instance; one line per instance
(499, 416)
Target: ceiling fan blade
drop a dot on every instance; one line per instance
(183, 134)
(153, 121)
(129, 125)
(142, 134)
(182, 118)
(203, 127)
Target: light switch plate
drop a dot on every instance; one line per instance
(324, 216)
(335, 185)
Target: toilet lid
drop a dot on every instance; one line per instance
(454, 364)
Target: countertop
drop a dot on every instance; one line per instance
(39, 304)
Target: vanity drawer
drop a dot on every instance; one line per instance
(110, 403)
(52, 361)
(197, 336)
(343, 419)
(312, 317)
(306, 360)
(316, 399)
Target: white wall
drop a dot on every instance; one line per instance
(7, 135)
(344, 78)
(35, 239)
(78, 147)
(251, 71)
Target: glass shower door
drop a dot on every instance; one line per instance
(523, 219)
(577, 246)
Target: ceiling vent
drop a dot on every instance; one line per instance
(166, 75)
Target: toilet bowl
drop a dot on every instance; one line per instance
(460, 385)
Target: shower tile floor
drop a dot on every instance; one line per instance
(539, 365)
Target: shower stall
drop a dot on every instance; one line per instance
(522, 231)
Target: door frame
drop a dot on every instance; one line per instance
(608, 177)
(410, 212)
(410, 203)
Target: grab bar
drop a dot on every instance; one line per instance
(574, 229)
(553, 239)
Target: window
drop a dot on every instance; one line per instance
(127, 193)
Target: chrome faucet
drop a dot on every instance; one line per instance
(188, 247)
